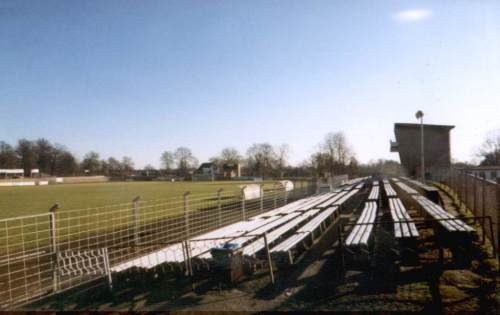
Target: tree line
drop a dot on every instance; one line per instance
(332, 156)
(56, 160)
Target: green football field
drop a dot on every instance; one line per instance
(18, 201)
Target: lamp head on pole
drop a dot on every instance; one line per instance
(419, 114)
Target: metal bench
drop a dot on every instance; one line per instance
(374, 193)
(257, 245)
(446, 220)
(407, 189)
(429, 191)
(360, 234)
(389, 191)
(339, 202)
(332, 200)
(289, 249)
(404, 227)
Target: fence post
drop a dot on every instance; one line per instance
(286, 194)
(466, 193)
(261, 197)
(275, 197)
(53, 244)
(498, 218)
(186, 214)
(483, 206)
(474, 192)
(269, 261)
(219, 207)
(135, 206)
(243, 214)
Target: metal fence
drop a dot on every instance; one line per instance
(30, 245)
(480, 196)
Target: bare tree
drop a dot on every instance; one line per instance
(227, 156)
(8, 157)
(230, 155)
(45, 153)
(338, 151)
(27, 154)
(490, 150)
(127, 166)
(114, 166)
(185, 160)
(91, 162)
(167, 160)
(283, 152)
(261, 159)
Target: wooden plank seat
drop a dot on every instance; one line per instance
(430, 192)
(175, 253)
(404, 227)
(332, 200)
(339, 202)
(314, 203)
(360, 185)
(293, 206)
(374, 193)
(289, 250)
(264, 227)
(407, 189)
(389, 191)
(451, 224)
(257, 245)
(200, 245)
(360, 234)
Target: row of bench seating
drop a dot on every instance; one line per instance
(404, 227)
(448, 221)
(432, 208)
(389, 191)
(276, 223)
(360, 234)
(405, 188)
(290, 249)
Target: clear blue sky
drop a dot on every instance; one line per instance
(140, 77)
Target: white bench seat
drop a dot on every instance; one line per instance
(374, 193)
(451, 223)
(255, 246)
(421, 185)
(404, 227)
(332, 200)
(304, 231)
(360, 234)
(389, 191)
(314, 203)
(406, 188)
(345, 198)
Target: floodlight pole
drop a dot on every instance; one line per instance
(420, 115)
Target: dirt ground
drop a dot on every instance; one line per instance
(318, 284)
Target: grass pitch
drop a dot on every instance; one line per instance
(18, 201)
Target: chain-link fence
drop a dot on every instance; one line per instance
(31, 262)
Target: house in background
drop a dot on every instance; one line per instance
(211, 171)
(486, 172)
(231, 170)
(206, 171)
